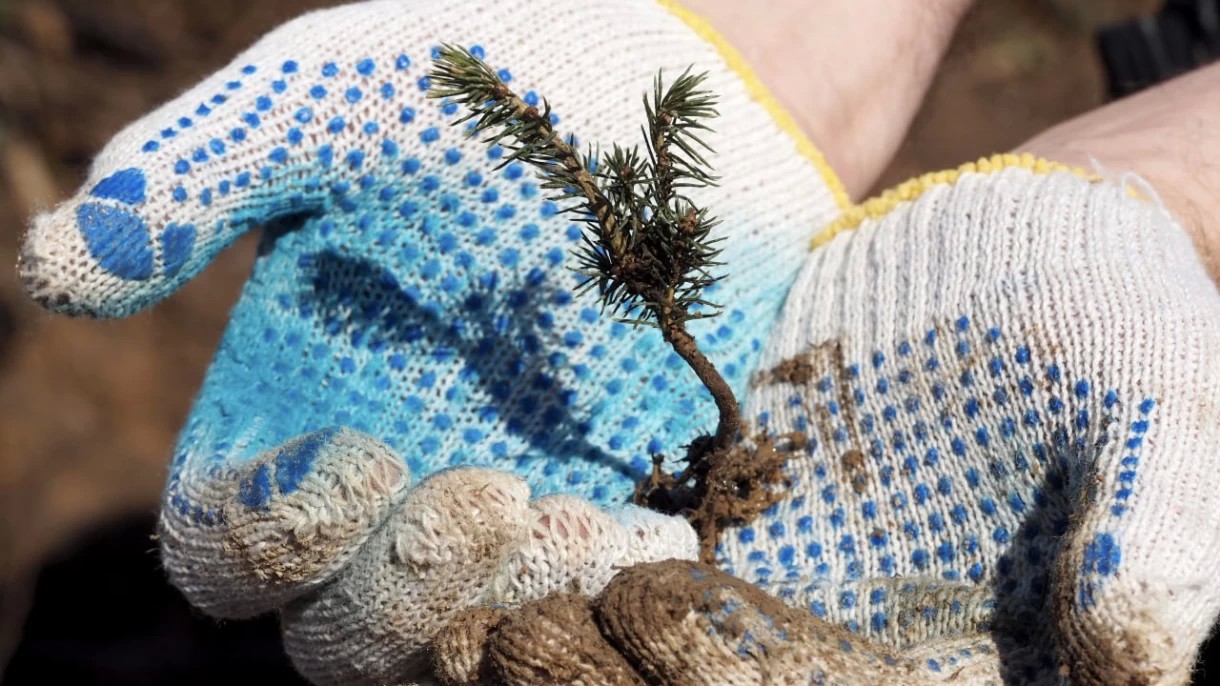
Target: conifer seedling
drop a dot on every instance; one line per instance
(647, 253)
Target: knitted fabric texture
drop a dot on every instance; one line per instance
(411, 311)
(1009, 388)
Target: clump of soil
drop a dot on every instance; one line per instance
(721, 489)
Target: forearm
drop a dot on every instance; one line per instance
(852, 73)
(1166, 135)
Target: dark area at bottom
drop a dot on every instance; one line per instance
(104, 613)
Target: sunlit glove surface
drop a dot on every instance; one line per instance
(411, 310)
(1008, 377)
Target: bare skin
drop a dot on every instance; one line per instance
(854, 102)
(858, 112)
(1166, 135)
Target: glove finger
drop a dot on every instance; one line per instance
(555, 641)
(464, 537)
(1133, 591)
(240, 541)
(685, 623)
(272, 135)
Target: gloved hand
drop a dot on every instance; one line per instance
(416, 300)
(1008, 379)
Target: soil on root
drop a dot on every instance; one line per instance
(721, 488)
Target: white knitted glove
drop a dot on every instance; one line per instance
(408, 290)
(1010, 377)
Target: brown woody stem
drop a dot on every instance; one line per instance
(683, 343)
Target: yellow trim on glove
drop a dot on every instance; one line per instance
(759, 92)
(880, 205)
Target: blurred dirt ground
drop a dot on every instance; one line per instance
(89, 410)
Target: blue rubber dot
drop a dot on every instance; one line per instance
(387, 91)
(336, 125)
(263, 103)
(117, 239)
(353, 95)
(279, 86)
(430, 134)
(237, 135)
(317, 92)
(126, 186)
(182, 167)
(255, 491)
(151, 146)
(251, 119)
(407, 116)
(365, 66)
(330, 69)
(177, 242)
(402, 62)
(289, 67)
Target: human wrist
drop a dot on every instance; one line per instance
(852, 103)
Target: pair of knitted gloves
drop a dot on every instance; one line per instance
(1007, 377)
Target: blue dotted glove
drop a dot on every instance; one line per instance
(411, 311)
(1007, 375)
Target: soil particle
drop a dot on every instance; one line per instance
(854, 464)
(827, 361)
(794, 370)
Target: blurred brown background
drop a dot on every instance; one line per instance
(89, 410)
